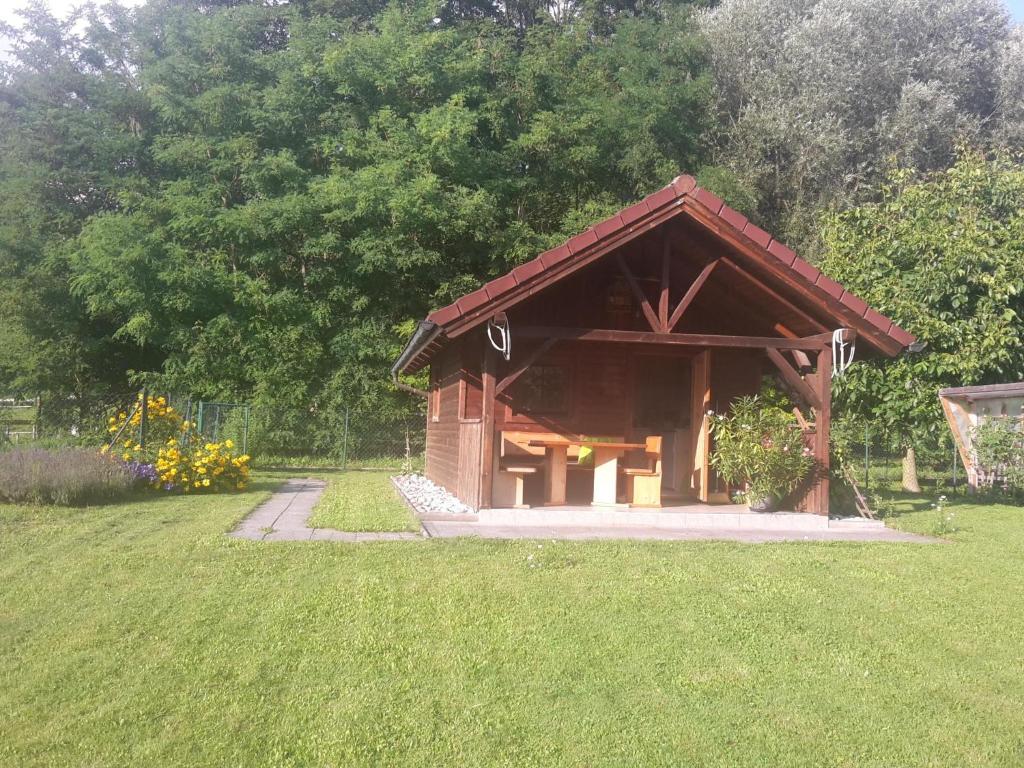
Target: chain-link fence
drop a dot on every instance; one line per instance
(72, 419)
(340, 437)
(876, 462)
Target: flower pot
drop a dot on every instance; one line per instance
(766, 504)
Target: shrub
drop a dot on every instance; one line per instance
(759, 445)
(201, 467)
(175, 456)
(998, 448)
(64, 476)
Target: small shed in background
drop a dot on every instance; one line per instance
(967, 407)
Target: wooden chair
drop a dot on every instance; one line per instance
(643, 484)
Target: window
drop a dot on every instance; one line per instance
(541, 389)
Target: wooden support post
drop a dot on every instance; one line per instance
(666, 267)
(487, 427)
(638, 292)
(700, 424)
(822, 425)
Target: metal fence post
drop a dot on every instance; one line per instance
(245, 432)
(199, 418)
(344, 444)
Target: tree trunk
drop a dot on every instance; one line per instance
(910, 483)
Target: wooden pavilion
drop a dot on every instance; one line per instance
(620, 341)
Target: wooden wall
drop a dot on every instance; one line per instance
(442, 449)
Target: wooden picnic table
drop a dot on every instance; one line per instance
(606, 468)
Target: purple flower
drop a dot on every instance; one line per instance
(141, 472)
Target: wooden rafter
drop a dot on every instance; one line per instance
(803, 362)
(793, 379)
(774, 294)
(811, 343)
(691, 294)
(641, 297)
(666, 264)
(528, 361)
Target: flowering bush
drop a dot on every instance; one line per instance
(176, 457)
(206, 467)
(759, 445)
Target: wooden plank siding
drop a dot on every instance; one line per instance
(442, 444)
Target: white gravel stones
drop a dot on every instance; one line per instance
(429, 498)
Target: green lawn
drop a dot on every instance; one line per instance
(362, 501)
(139, 634)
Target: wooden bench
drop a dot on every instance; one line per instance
(643, 484)
(519, 459)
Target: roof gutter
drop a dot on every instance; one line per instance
(424, 334)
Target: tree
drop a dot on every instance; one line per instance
(819, 98)
(943, 255)
(283, 189)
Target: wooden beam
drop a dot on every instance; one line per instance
(811, 343)
(774, 294)
(487, 425)
(803, 362)
(700, 446)
(792, 378)
(645, 305)
(822, 426)
(530, 359)
(691, 294)
(743, 245)
(666, 265)
(579, 260)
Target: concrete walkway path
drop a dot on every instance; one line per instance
(285, 517)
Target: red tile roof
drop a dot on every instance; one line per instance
(682, 194)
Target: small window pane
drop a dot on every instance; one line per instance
(541, 389)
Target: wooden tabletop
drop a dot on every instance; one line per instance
(588, 443)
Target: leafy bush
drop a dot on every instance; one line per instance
(65, 476)
(758, 445)
(998, 447)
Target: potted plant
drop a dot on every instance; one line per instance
(759, 446)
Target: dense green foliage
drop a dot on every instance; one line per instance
(818, 99)
(139, 635)
(943, 255)
(256, 201)
(758, 445)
